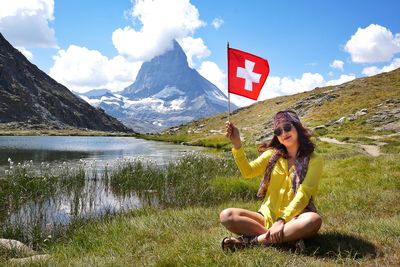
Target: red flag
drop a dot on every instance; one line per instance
(246, 73)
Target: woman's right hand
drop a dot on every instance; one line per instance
(233, 134)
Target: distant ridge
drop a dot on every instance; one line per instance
(30, 98)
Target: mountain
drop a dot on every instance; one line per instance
(96, 93)
(166, 93)
(30, 98)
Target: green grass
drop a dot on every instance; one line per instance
(358, 200)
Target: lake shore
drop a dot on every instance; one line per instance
(59, 132)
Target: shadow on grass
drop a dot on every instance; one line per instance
(336, 245)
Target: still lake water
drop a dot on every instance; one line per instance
(94, 198)
(71, 149)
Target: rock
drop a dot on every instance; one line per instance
(217, 131)
(319, 127)
(362, 112)
(387, 117)
(303, 106)
(30, 260)
(17, 246)
(351, 117)
(392, 126)
(340, 121)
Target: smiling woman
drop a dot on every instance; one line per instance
(291, 174)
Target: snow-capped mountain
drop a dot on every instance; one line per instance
(166, 93)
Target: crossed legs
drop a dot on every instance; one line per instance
(250, 223)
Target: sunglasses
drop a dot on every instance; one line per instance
(287, 127)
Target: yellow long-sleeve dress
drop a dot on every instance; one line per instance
(280, 200)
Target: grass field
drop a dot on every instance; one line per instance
(358, 200)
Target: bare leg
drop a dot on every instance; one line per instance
(306, 225)
(243, 222)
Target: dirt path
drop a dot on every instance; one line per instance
(331, 140)
(372, 150)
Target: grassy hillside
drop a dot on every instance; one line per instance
(379, 95)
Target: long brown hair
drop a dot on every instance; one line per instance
(306, 146)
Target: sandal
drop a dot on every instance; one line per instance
(236, 243)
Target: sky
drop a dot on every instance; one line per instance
(95, 44)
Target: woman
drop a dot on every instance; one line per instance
(291, 173)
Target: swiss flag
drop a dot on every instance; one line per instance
(246, 73)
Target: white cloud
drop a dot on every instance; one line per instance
(373, 44)
(342, 79)
(160, 22)
(194, 47)
(370, 71)
(337, 64)
(25, 23)
(81, 70)
(214, 74)
(28, 54)
(289, 86)
(217, 23)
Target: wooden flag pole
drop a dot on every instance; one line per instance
(229, 94)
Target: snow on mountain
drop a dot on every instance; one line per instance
(166, 93)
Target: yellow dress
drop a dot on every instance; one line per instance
(280, 200)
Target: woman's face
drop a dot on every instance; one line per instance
(290, 138)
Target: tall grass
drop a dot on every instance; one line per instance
(33, 187)
(195, 179)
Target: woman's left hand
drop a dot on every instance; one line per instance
(276, 232)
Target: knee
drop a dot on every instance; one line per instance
(226, 216)
(315, 220)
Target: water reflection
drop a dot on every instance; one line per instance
(32, 215)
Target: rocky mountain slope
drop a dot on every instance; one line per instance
(29, 98)
(167, 92)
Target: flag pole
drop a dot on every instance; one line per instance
(229, 94)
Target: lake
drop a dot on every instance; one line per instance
(92, 198)
(72, 149)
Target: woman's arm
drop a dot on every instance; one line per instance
(248, 170)
(254, 168)
(307, 188)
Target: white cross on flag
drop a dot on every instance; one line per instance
(246, 73)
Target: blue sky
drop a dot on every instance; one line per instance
(102, 43)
